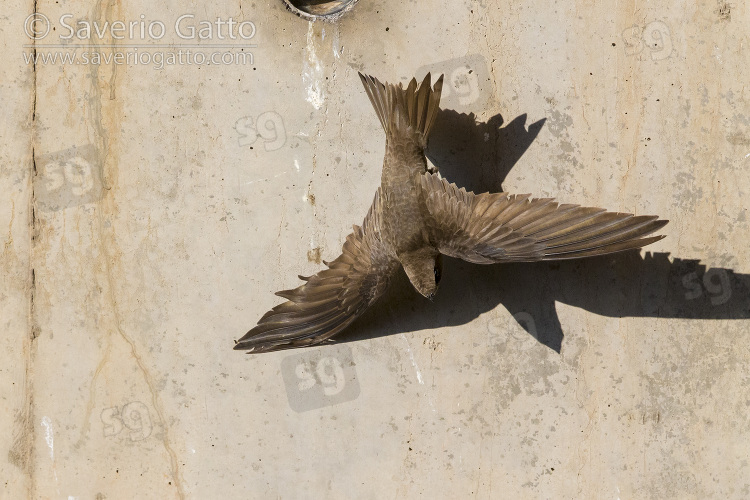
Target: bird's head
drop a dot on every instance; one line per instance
(424, 267)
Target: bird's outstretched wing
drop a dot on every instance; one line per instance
(497, 227)
(330, 300)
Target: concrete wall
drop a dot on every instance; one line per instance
(151, 213)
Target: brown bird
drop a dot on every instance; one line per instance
(417, 216)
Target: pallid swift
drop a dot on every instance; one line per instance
(417, 216)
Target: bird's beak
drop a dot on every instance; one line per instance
(431, 297)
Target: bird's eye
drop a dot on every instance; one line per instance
(437, 274)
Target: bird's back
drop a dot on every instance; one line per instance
(403, 211)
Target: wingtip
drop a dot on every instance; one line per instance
(246, 343)
(658, 224)
(649, 240)
(239, 345)
(247, 349)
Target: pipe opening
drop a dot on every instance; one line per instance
(319, 9)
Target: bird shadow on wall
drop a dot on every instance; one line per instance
(478, 156)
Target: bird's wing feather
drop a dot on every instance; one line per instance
(330, 300)
(498, 227)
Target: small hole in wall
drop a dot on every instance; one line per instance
(319, 9)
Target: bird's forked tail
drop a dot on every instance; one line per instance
(403, 111)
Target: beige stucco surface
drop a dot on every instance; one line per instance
(148, 215)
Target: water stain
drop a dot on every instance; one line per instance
(314, 255)
(738, 139)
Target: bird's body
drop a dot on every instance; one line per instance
(402, 214)
(417, 216)
(406, 128)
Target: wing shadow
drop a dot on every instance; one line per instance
(616, 286)
(479, 156)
